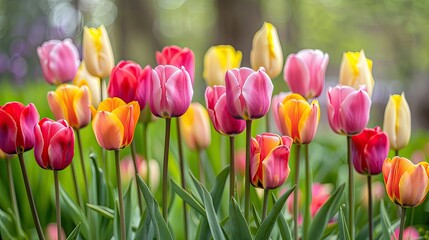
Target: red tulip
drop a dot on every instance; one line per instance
(16, 127)
(54, 145)
(178, 57)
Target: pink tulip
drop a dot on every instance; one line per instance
(54, 144)
(171, 91)
(248, 93)
(178, 57)
(348, 109)
(410, 233)
(304, 72)
(16, 127)
(269, 160)
(222, 120)
(369, 150)
(51, 232)
(143, 88)
(59, 61)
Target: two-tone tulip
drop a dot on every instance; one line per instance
(248, 93)
(54, 144)
(348, 109)
(266, 50)
(195, 127)
(16, 127)
(369, 150)
(114, 123)
(397, 121)
(356, 70)
(178, 57)
(407, 184)
(71, 102)
(304, 72)
(97, 51)
(269, 160)
(59, 60)
(221, 118)
(218, 60)
(171, 91)
(84, 78)
(297, 118)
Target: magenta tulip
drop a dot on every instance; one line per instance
(369, 150)
(178, 57)
(54, 145)
(248, 93)
(304, 72)
(59, 61)
(348, 109)
(143, 88)
(269, 160)
(171, 91)
(124, 80)
(16, 127)
(222, 120)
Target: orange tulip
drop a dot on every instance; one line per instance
(195, 125)
(114, 123)
(407, 184)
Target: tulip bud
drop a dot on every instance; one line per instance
(178, 57)
(195, 127)
(97, 51)
(218, 60)
(397, 121)
(266, 50)
(52, 232)
(84, 78)
(356, 70)
(410, 233)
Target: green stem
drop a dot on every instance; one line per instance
(231, 167)
(30, 197)
(136, 173)
(351, 190)
(145, 153)
(307, 215)
(296, 192)
(103, 151)
(401, 229)
(412, 217)
(182, 174)
(165, 170)
(265, 205)
(370, 224)
(82, 162)
(201, 167)
(13, 194)
(121, 202)
(396, 152)
(247, 175)
(57, 203)
(101, 89)
(76, 186)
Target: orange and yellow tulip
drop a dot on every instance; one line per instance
(114, 123)
(407, 184)
(195, 125)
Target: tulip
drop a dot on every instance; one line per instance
(356, 70)
(407, 184)
(51, 232)
(171, 91)
(84, 78)
(16, 127)
(269, 167)
(369, 150)
(218, 60)
(304, 72)
(348, 109)
(248, 93)
(221, 118)
(410, 233)
(54, 144)
(297, 118)
(178, 57)
(114, 123)
(59, 60)
(97, 51)
(71, 103)
(195, 127)
(397, 121)
(266, 50)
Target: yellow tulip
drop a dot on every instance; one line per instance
(217, 60)
(397, 121)
(267, 51)
(84, 78)
(195, 126)
(356, 70)
(97, 51)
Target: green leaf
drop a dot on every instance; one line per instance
(104, 211)
(325, 213)
(161, 228)
(239, 227)
(268, 224)
(187, 198)
(211, 215)
(256, 216)
(5, 220)
(283, 225)
(343, 231)
(387, 230)
(117, 222)
(75, 233)
(76, 214)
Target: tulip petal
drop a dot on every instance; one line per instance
(297, 74)
(255, 162)
(275, 167)
(354, 112)
(412, 187)
(61, 149)
(225, 123)
(267, 143)
(110, 104)
(375, 152)
(29, 118)
(233, 94)
(80, 105)
(309, 122)
(108, 130)
(8, 133)
(257, 92)
(38, 148)
(57, 105)
(178, 92)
